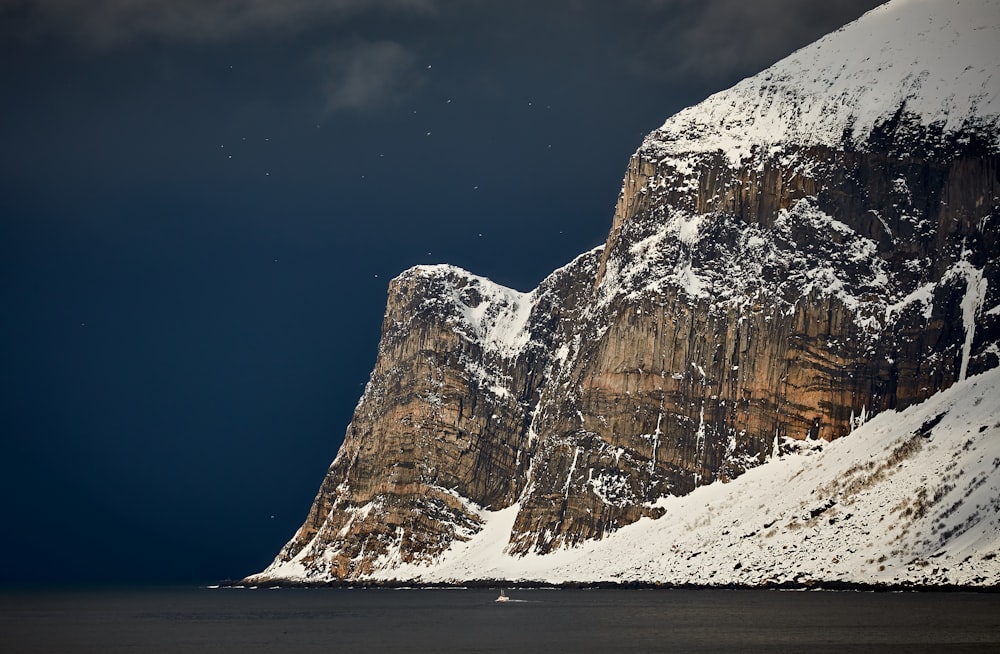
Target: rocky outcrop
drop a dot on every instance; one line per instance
(793, 256)
(799, 313)
(444, 426)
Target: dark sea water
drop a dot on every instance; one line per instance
(339, 620)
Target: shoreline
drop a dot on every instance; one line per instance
(611, 585)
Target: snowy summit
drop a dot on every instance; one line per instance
(935, 60)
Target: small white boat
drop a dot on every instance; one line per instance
(503, 597)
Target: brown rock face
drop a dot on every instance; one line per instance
(444, 421)
(800, 305)
(747, 293)
(770, 302)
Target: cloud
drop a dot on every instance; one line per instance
(730, 34)
(109, 23)
(720, 38)
(366, 75)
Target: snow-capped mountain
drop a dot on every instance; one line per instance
(811, 248)
(932, 61)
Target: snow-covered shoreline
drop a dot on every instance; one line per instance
(910, 499)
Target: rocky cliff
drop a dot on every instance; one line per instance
(815, 246)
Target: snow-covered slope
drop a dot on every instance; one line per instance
(494, 316)
(934, 58)
(910, 497)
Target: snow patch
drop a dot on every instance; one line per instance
(494, 316)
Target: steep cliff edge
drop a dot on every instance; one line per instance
(443, 428)
(810, 248)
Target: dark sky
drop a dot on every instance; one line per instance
(202, 202)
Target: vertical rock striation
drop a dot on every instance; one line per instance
(786, 259)
(443, 429)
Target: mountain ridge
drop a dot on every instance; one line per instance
(747, 294)
(841, 87)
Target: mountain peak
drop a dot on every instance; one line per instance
(493, 315)
(936, 61)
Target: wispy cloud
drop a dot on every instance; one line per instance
(109, 23)
(366, 74)
(734, 33)
(717, 38)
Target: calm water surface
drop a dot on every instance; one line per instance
(339, 620)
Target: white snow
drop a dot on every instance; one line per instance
(923, 294)
(833, 260)
(498, 321)
(975, 293)
(908, 497)
(939, 59)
